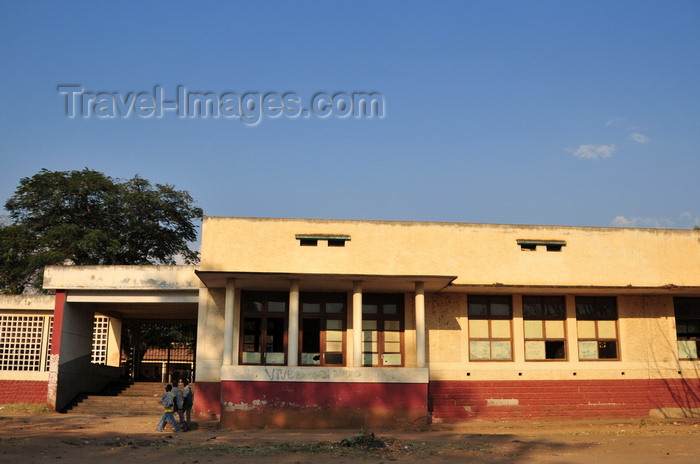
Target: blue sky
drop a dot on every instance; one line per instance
(529, 112)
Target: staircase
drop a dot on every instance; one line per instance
(139, 398)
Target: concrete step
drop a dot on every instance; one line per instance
(119, 399)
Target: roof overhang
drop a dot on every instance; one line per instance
(280, 281)
(673, 290)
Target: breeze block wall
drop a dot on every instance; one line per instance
(322, 405)
(463, 401)
(23, 391)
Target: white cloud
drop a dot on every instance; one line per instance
(594, 151)
(639, 138)
(613, 121)
(689, 219)
(641, 222)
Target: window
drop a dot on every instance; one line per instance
(313, 239)
(550, 245)
(597, 327)
(543, 318)
(490, 335)
(100, 332)
(264, 327)
(20, 342)
(382, 330)
(322, 329)
(687, 312)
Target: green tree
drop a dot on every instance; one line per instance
(85, 217)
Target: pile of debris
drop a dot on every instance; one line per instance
(363, 439)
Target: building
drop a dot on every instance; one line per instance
(315, 323)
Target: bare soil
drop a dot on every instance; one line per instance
(72, 438)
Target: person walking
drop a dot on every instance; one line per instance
(187, 401)
(177, 397)
(167, 400)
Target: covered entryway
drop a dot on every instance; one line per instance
(149, 308)
(158, 350)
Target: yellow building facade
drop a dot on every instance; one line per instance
(316, 323)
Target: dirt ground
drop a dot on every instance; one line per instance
(71, 438)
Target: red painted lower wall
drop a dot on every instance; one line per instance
(322, 405)
(207, 400)
(23, 391)
(455, 401)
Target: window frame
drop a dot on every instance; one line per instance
(322, 316)
(265, 316)
(383, 300)
(544, 316)
(490, 300)
(694, 303)
(597, 317)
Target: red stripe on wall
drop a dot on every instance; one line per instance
(59, 306)
(23, 391)
(282, 404)
(453, 401)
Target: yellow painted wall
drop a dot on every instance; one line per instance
(476, 253)
(646, 341)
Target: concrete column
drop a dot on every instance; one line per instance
(293, 334)
(420, 324)
(357, 324)
(229, 322)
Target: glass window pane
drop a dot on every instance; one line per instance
(392, 336)
(251, 358)
(534, 350)
(500, 305)
(334, 336)
(369, 359)
(554, 329)
(370, 308)
(687, 349)
(334, 358)
(392, 359)
(500, 329)
(392, 347)
(392, 325)
(274, 358)
(692, 328)
(532, 310)
(500, 350)
(253, 306)
(334, 346)
(588, 350)
(479, 350)
(533, 329)
(369, 347)
(369, 325)
(276, 306)
(369, 335)
(586, 329)
(310, 359)
(334, 324)
(606, 329)
(335, 308)
(585, 307)
(606, 308)
(554, 307)
(390, 308)
(478, 305)
(311, 307)
(479, 328)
